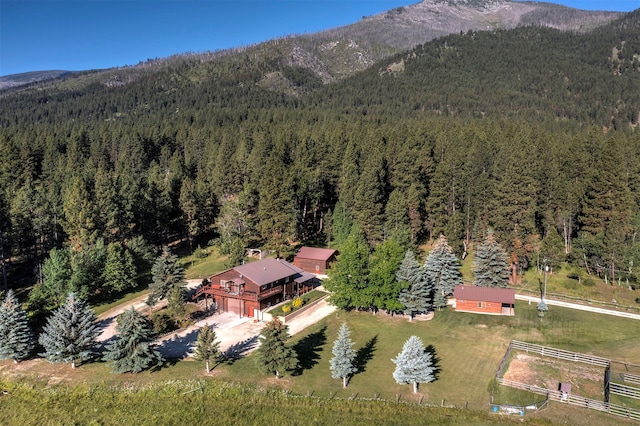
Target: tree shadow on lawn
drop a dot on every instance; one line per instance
(308, 349)
(435, 361)
(364, 355)
(178, 347)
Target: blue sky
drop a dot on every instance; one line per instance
(89, 34)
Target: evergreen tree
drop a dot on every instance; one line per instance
(166, 273)
(16, 337)
(119, 270)
(132, 349)
(207, 347)
(490, 266)
(442, 269)
(343, 356)
(70, 333)
(415, 295)
(274, 356)
(414, 365)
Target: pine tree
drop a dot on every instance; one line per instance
(343, 356)
(70, 333)
(132, 349)
(274, 356)
(413, 365)
(490, 266)
(415, 297)
(207, 347)
(442, 269)
(166, 273)
(16, 337)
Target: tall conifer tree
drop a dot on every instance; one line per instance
(70, 333)
(341, 364)
(16, 337)
(490, 266)
(132, 349)
(442, 269)
(166, 273)
(414, 365)
(416, 295)
(274, 355)
(207, 347)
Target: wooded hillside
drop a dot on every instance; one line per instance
(527, 131)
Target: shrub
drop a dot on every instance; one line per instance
(286, 309)
(573, 276)
(296, 303)
(162, 323)
(588, 282)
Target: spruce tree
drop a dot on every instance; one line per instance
(274, 356)
(70, 333)
(207, 347)
(166, 274)
(343, 356)
(413, 365)
(415, 297)
(442, 269)
(132, 349)
(16, 337)
(490, 266)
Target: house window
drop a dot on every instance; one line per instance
(482, 305)
(264, 287)
(286, 280)
(224, 284)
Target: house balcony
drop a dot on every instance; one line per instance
(245, 295)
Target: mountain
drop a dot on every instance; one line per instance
(338, 53)
(16, 80)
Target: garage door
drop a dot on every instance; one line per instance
(233, 305)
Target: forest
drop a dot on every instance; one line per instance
(529, 133)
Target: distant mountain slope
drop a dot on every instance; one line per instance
(15, 80)
(338, 53)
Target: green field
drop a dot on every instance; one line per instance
(467, 348)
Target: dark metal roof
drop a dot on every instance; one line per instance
(268, 270)
(485, 294)
(315, 253)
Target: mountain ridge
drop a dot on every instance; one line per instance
(337, 53)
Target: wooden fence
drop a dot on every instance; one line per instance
(558, 396)
(560, 354)
(624, 390)
(571, 399)
(630, 378)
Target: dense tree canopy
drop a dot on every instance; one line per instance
(481, 130)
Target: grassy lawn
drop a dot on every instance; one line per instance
(204, 263)
(468, 349)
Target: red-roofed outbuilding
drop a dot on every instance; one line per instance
(315, 260)
(484, 300)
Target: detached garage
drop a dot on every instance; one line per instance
(314, 260)
(484, 300)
